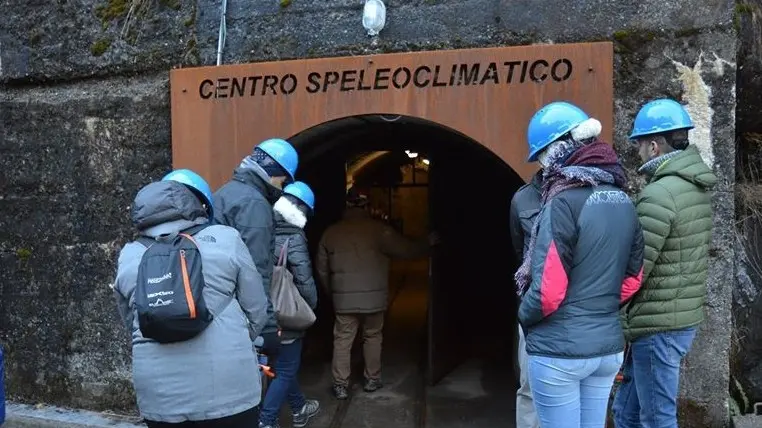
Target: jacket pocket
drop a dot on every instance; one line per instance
(526, 218)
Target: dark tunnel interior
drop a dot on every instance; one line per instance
(470, 308)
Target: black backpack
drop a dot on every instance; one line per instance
(169, 294)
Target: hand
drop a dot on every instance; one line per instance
(434, 239)
(271, 346)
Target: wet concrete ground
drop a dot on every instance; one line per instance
(478, 394)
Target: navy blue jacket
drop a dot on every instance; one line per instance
(588, 259)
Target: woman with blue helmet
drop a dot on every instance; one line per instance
(584, 258)
(178, 384)
(290, 213)
(196, 184)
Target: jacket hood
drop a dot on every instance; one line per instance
(290, 213)
(165, 207)
(256, 177)
(689, 166)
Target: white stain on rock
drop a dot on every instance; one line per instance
(698, 94)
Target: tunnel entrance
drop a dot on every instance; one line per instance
(450, 328)
(476, 104)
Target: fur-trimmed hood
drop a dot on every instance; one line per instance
(290, 213)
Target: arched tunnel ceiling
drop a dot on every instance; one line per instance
(346, 129)
(370, 162)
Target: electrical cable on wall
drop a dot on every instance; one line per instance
(223, 32)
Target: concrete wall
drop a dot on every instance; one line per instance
(84, 119)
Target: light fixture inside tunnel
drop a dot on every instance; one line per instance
(425, 161)
(410, 154)
(374, 16)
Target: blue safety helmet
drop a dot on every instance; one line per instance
(550, 123)
(283, 153)
(196, 183)
(301, 191)
(659, 116)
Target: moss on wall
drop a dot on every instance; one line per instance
(100, 46)
(23, 254)
(630, 40)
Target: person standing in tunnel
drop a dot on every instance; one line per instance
(210, 379)
(661, 321)
(525, 206)
(246, 203)
(353, 266)
(290, 212)
(584, 259)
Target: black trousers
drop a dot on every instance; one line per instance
(246, 419)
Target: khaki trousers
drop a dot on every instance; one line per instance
(344, 332)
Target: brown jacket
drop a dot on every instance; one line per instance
(353, 261)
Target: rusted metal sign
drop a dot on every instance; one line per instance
(489, 95)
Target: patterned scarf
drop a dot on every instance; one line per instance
(649, 168)
(588, 165)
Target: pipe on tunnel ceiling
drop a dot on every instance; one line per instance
(338, 136)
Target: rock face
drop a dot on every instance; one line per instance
(746, 364)
(84, 117)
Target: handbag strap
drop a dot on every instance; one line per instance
(283, 259)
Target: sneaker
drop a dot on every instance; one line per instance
(310, 409)
(372, 385)
(340, 392)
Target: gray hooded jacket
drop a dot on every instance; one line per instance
(215, 374)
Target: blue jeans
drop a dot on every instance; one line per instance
(572, 393)
(285, 385)
(647, 397)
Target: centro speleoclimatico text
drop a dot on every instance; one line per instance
(386, 78)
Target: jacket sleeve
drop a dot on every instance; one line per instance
(299, 264)
(551, 263)
(254, 220)
(656, 210)
(250, 291)
(517, 233)
(123, 307)
(633, 276)
(322, 265)
(126, 278)
(394, 244)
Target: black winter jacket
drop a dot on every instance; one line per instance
(588, 259)
(525, 206)
(246, 204)
(289, 225)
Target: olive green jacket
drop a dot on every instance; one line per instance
(676, 215)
